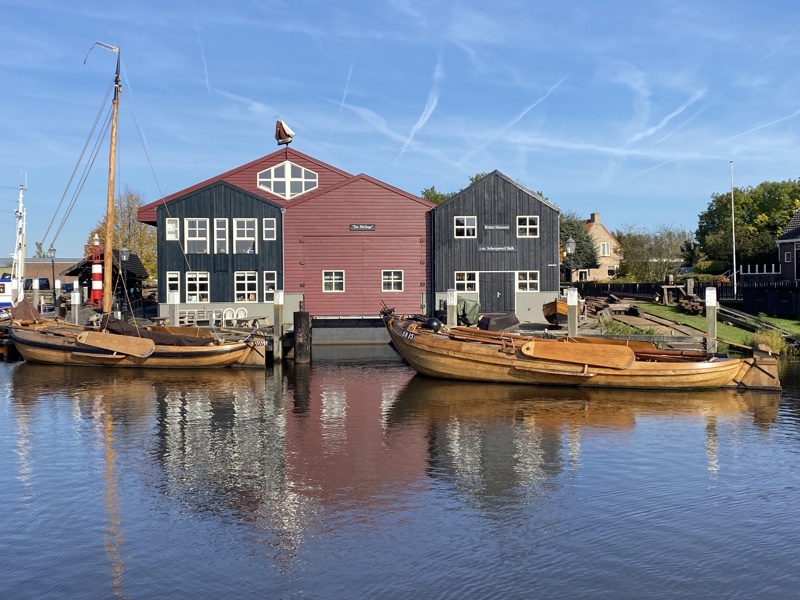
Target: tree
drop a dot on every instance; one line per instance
(139, 238)
(651, 255)
(573, 225)
(39, 251)
(761, 213)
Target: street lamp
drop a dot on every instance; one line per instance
(124, 255)
(569, 246)
(51, 252)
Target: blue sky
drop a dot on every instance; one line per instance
(632, 109)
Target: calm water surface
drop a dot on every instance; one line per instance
(354, 478)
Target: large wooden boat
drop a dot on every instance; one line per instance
(46, 342)
(468, 354)
(555, 312)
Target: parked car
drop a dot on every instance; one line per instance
(67, 288)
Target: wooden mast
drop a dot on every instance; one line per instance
(108, 250)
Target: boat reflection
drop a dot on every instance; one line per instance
(496, 442)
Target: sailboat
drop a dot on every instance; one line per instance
(113, 343)
(11, 284)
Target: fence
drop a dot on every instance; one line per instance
(776, 298)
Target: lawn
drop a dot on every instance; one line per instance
(673, 313)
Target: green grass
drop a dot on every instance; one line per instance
(674, 313)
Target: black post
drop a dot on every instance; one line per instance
(302, 337)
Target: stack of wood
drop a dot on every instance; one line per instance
(692, 305)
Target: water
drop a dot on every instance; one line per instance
(354, 478)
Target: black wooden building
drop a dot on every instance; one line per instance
(497, 242)
(220, 246)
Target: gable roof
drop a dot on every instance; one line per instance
(497, 173)
(360, 177)
(147, 213)
(219, 183)
(792, 231)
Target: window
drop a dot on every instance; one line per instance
(466, 227)
(245, 286)
(270, 233)
(787, 257)
(173, 229)
(333, 281)
(287, 180)
(196, 236)
(244, 236)
(391, 281)
(605, 249)
(583, 274)
(197, 286)
(528, 226)
(220, 236)
(612, 270)
(466, 281)
(270, 285)
(174, 283)
(528, 281)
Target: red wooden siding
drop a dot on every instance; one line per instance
(246, 177)
(399, 242)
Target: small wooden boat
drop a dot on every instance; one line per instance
(468, 354)
(555, 312)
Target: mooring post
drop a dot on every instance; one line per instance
(302, 337)
(452, 308)
(173, 299)
(711, 320)
(572, 312)
(75, 304)
(277, 328)
(35, 288)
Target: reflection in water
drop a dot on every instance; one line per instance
(495, 442)
(341, 447)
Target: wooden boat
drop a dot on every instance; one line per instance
(115, 344)
(555, 312)
(46, 342)
(468, 354)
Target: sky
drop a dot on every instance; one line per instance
(631, 109)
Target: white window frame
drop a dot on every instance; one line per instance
(193, 227)
(289, 182)
(173, 283)
(390, 278)
(221, 238)
(612, 270)
(527, 226)
(468, 280)
(172, 229)
(198, 287)
(269, 229)
(329, 279)
(583, 274)
(245, 223)
(605, 248)
(528, 281)
(245, 286)
(270, 285)
(467, 228)
(787, 257)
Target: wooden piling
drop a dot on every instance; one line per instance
(572, 312)
(452, 308)
(302, 337)
(277, 328)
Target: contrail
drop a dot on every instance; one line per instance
(430, 106)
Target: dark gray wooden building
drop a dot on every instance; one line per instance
(497, 242)
(220, 246)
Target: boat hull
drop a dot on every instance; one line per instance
(437, 355)
(555, 312)
(59, 346)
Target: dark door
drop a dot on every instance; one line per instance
(496, 292)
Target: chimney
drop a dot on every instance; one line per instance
(594, 217)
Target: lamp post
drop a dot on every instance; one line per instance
(124, 255)
(569, 246)
(51, 252)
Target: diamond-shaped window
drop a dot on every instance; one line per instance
(287, 180)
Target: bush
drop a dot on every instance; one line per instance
(775, 340)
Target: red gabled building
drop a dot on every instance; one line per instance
(345, 242)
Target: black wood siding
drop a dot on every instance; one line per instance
(495, 200)
(219, 200)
